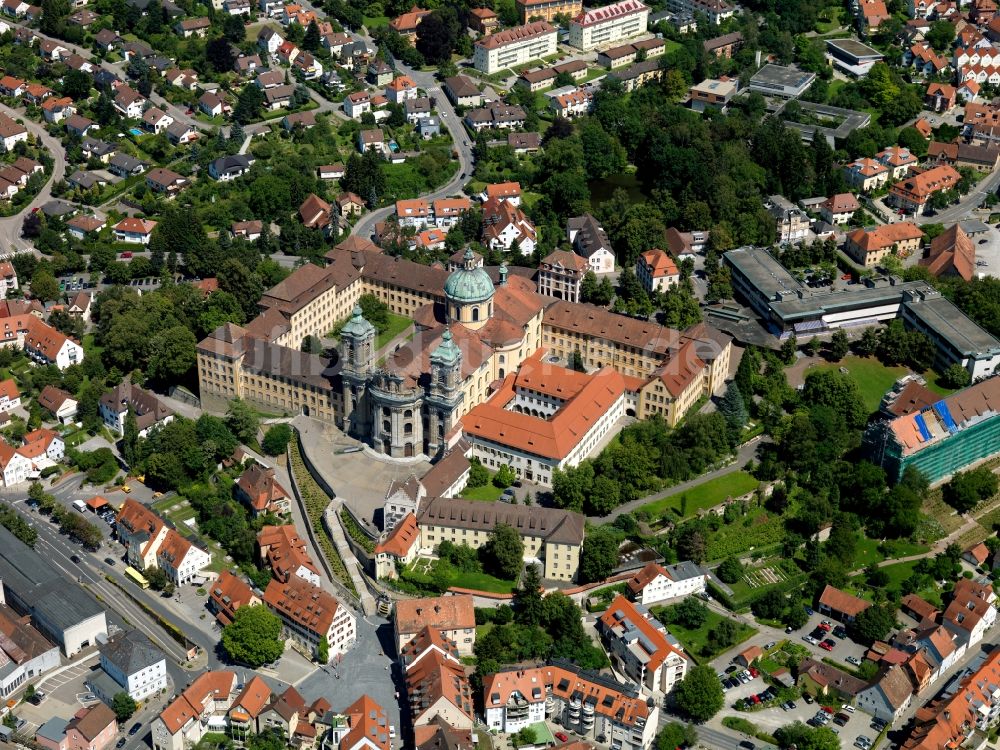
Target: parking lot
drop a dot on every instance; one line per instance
(64, 692)
(842, 647)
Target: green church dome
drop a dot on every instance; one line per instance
(357, 326)
(469, 284)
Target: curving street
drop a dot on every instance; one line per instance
(10, 226)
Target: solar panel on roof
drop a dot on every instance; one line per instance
(941, 407)
(922, 427)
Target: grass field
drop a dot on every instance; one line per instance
(374, 22)
(897, 573)
(483, 582)
(873, 378)
(694, 641)
(397, 324)
(868, 551)
(706, 495)
(487, 493)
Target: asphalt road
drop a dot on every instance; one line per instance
(10, 226)
(961, 210)
(462, 145)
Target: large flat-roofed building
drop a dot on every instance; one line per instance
(552, 537)
(957, 338)
(942, 438)
(779, 80)
(61, 611)
(788, 305)
(852, 56)
(607, 24)
(547, 10)
(516, 46)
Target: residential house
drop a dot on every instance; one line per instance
(591, 242)
(406, 24)
(134, 230)
(972, 611)
(212, 104)
(94, 148)
(372, 139)
(866, 174)
(267, 38)
(724, 46)
(165, 182)
(227, 594)
(180, 134)
(839, 208)
(187, 719)
(8, 279)
(278, 97)
(363, 725)
(792, 224)
(572, 104)
(463, 92)
(135, 665)
(227, 168)
(247, 230)
(284, 551)
(913, 194)
(58, 403)
(657, 583)
(190, 27)
(889, 696)
(418, 108)
(244, 716)
(148, 410)
(398, 547)
(124, 165)
(156, 120)
(315, 212)
(350, 205)
(452, 616)
(940, 97)
(129, 102)
(301, 120)
(93, 728)
(79, 125)
(57, 109)
(657, 270)
(379, 73)
(898, 159)
(401, 89)
(436, 683)
(827, 683)
(259, 488)
(10, 396)
(79, 306)
(505, 225)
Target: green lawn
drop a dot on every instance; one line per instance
(483, 582)
(487, 493)
(703, 496)
(897, 573)
(374, 22)
(873, 378)
(694, 640)
(397, 324)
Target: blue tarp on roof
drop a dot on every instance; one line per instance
(922, 426)
(942, 410)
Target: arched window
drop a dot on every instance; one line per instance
(386, 427)
(501, 373)
(408, 429)
(502, 360)
(475, 314)
(408, 413)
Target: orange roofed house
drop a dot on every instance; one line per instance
(364, 725)
(406, 24)
(870, 246)
(453, 616)
(657, 583)
(259, 488)
(227, 594)
(591, 705)
(913, 194)
(187, 719)
(400, 546)
(309, 614)
(284, 551)
(840, 605)
(640, 646)
(436, 683)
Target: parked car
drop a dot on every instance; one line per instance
(807, 698)
(848, 707)
(810, 640)
(109, 560)
(562, 736)
(840, 631)
(853, 660)
(731, 668)
(825, 625)
(768, 646)
(134, 729)
(841, 719)
(828, 644)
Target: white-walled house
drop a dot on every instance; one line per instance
(658, 583)
(135, 664)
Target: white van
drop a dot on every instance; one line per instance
(80, 506)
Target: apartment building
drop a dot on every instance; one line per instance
(869, 247)
(547, 10)
(586, 703)
(186, 720)
(147, 409)
(641, 647)
(150, 543)
(608, 24)
(453, 617)
(560, 275)
(437, 687)
(309, 614)
(866, 174)
(258, 487)
(134, 664)
(550, 535)
(284, 552)
(516, 46)
(913, 194)
(713, 92)
(657, 271)
(791, 223)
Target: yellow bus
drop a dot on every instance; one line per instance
(138, 578)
